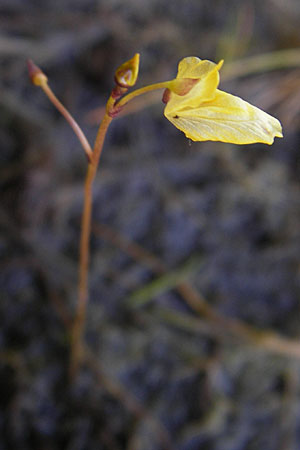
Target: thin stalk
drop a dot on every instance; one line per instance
(143, 90)
(72, 122)
(84, 249)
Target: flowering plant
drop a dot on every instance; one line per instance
(194, 104)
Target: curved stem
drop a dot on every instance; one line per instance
(143, 90)
(72, 122)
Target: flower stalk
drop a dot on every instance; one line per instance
(39, 79)
(84, 249)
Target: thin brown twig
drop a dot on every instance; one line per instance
(131, 248)
(267, 340)
(131, 403)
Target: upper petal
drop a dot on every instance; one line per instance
(203, 90)
(193, 67)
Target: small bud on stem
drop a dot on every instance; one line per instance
(38, 78)
(36, 75)
(126, 75)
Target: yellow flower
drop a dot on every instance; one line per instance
(203, 112)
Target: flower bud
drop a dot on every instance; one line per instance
(36, 76)
(126, 75)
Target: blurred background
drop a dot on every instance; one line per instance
(192, 334)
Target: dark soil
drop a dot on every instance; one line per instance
(158, 375)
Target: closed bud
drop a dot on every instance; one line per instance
(36, 76)
(126, 75)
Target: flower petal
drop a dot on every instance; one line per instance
(204, 90)
(193, 67)
(225, 118)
